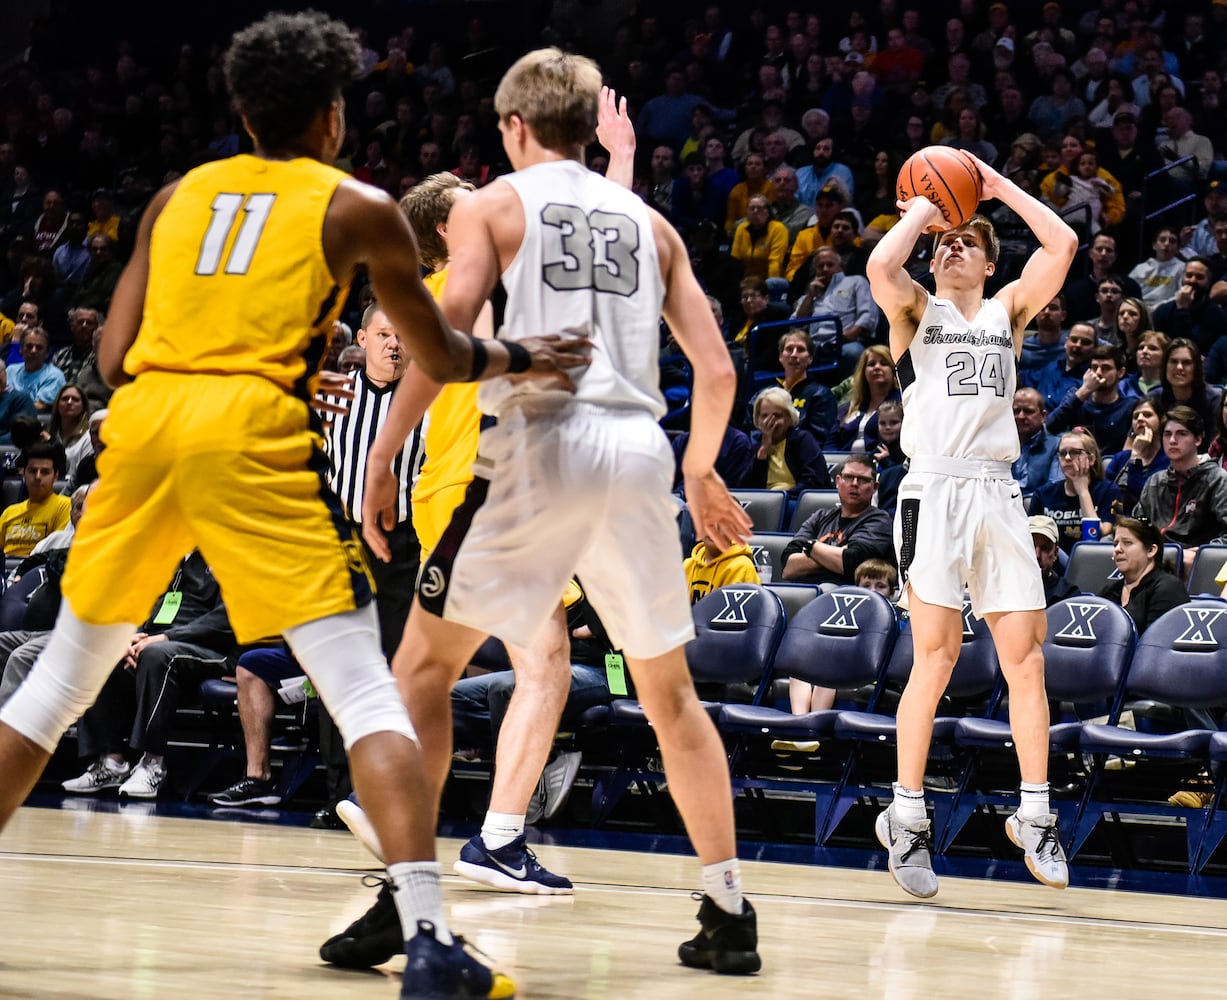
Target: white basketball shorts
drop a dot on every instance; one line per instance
(960, 524)
(582, 490)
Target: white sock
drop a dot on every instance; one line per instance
(910, 805)
(1034, 801)
(500, 829)
(419, 896)
(722, 882)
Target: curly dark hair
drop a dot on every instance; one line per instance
(285, 68)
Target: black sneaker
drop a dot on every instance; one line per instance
(248, 792)
(727, 944)
(370, 940)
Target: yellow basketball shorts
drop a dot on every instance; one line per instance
(227, 464)
(432, 514)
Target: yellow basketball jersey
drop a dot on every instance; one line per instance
(453, 428)
(260, 298)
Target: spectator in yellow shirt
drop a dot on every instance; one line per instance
(23, 525)
(760, 243)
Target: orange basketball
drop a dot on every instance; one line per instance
(948, 177)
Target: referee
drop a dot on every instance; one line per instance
(347, 441)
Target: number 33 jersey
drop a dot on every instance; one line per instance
(588, 262)
(260, 298)
(958, 380)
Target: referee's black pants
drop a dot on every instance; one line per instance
(394, 587)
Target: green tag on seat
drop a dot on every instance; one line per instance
(170, 607)
(615, 674)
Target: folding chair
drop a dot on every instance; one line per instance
(840, 640)
(1090, 564)
(765, 507)
(738, 630)
(1087, 650)
(1206, 565)
(974, 688)
(1181, 660)
(774, 542)
(794, 596)
(809, 502)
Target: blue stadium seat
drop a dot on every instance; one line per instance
(1181, 661)
(774, 542)
(1088, 646)
(765, 507)
(809, 502)
(1206, 565)
(974, 689)
(840, 640)
(738, 630)
(1090, 564)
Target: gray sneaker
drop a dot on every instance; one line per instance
(554, 787)
(100, 775)
(145, 780)
(1044, 855)
(911, 852)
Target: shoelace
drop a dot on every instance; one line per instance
(917, 841)
(1049, 846)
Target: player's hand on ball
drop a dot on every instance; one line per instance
(990, 177)
(936, 223)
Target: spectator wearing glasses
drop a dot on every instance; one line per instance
(832, 543)
(1083, 504)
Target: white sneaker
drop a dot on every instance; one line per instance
(99, 775)
(353, 816)
(145, 780)
(1041, 843)
(910, 850)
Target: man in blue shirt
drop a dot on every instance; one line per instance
(1058, 377)
(1098, 403)
(35, 376)
(1037, 456)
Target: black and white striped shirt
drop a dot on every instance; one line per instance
(349, 438)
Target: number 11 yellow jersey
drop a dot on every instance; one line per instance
(260, 298)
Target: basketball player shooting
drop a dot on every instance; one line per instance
(960, 520)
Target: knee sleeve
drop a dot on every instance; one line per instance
(66, 678)
(341, 655)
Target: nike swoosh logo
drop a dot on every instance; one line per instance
(513, 872)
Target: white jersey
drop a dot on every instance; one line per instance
(588, 262)
(958, 380)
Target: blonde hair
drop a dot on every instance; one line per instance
(1087, 441)
(780, 397)
(860, 395)
(426, 205)
(555, 93)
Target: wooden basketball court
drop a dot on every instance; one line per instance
(132, 905)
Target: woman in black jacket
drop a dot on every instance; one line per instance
(1145, 589)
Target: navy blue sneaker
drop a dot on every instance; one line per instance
(513, 867)
(436, 971)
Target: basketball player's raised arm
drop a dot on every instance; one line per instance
(616, 132)
(900, 298)
(718, 519)
(1044, 274)
(128, 300)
